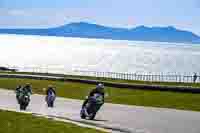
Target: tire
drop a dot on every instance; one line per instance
(82, 114)
(92, 116)
(24, 107)
(49, 104)
(21, 107)
(52, 104)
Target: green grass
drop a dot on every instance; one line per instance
(185, 101)
(117, 80)
(12, 122)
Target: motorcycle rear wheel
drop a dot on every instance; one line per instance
(22, 107)
(92, 116)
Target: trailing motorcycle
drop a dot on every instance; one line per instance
(24, 100)
(50, 98)
(92, 107)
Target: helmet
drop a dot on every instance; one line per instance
(100, 86)
(50, 86)
(19, 86)
(28, 84)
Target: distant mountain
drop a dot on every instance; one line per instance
(87, 30)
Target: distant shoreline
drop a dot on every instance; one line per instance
(88, 30)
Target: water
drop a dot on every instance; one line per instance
(69, 54)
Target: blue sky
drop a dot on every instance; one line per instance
(184, 14)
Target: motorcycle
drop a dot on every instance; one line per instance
(24, 100)
(92, 107)
(50, 100)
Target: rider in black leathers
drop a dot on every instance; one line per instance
(27, 90)
(18, 92)
(18, 88)
(98, 90)
(50, 90)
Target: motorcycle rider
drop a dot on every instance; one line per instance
(18, 88)
(27, 90)
(50, 90)
(18, 92)
(25, 96)
(98, 90)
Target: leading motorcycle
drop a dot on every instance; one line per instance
(92, 107)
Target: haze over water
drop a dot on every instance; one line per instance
(69, 54)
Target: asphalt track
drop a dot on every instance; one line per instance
(116, 118)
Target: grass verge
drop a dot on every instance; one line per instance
(185, 101)
(12, 122)
(114, 80)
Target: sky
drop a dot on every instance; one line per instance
(183, 14)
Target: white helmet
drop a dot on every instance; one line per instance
(100, 86)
